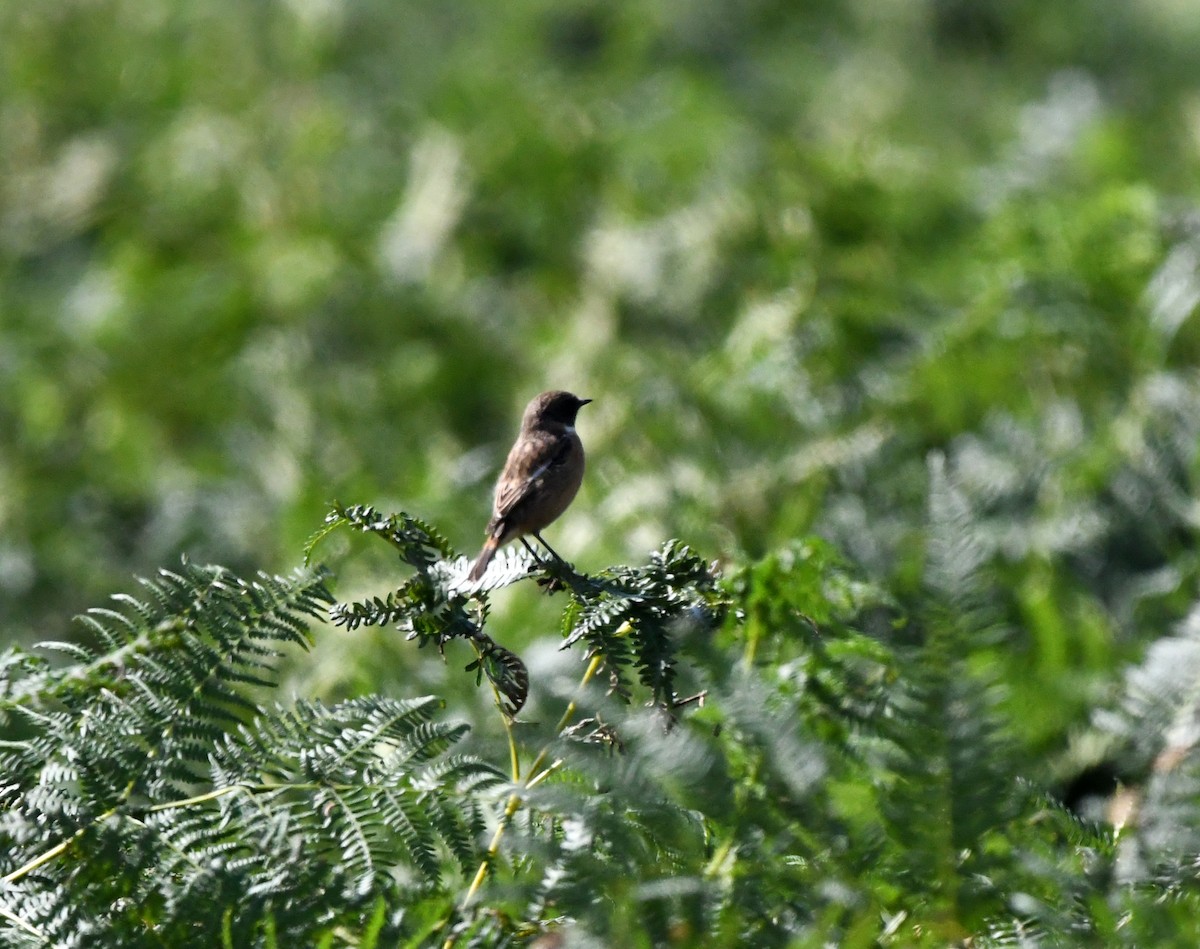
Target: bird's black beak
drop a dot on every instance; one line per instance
(583, 402)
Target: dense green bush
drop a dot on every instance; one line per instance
(778, 756)
(912, 281)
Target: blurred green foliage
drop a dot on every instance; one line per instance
(256, 257)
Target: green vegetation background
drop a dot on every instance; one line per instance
(256, 257)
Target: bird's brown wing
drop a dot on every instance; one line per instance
(529, 460)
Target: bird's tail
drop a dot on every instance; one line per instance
(491, 545)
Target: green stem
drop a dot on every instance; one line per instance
(535, 776)
(20, 923)
(54, 851)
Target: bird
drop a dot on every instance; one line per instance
(540, 478)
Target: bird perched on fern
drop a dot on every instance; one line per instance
(541, 476)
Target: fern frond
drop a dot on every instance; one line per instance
(357, 779)
(121, 730)
(1153, 732)
(432, 605)
(509, 565)
(1161, 696)
(630, 615)
(419, 544)
(505, 671)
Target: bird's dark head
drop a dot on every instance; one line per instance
(552, 408)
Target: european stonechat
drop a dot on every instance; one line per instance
(541, 476)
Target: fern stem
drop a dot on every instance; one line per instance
(60, 847)
(514, 753)
(569, 712)
(537, 775)
(200, 798)
(21, 924)
(751, 650)
(717, 862)
(541, 776)
(54, 851)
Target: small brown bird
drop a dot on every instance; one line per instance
(540, 478)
